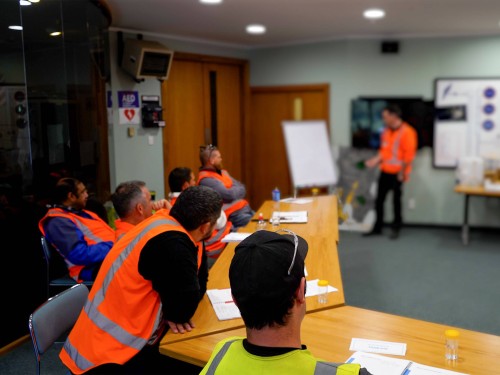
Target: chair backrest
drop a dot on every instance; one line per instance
(55, 317)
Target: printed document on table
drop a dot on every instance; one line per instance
(377, 346)
(223, 304)
(291, 216)
(380, 365)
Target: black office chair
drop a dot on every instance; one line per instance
(55, 318)
(56, 272)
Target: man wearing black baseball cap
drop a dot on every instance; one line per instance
(269, 286)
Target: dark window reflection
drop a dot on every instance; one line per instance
(52, 124)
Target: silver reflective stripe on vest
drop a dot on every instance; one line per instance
(395, 147)
(218, 357)
(86, 231)
(101, 321)
(326, 368)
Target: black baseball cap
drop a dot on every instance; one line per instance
(259, 268)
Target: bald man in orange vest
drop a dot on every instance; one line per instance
(395, 156)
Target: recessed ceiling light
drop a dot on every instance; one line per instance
(374, 13)
(55, 33)
(256, 29)
(15, 27)
(24, 2)
(210, 1)
(34, 1)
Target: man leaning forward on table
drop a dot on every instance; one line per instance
(268, 286)
(152, 280)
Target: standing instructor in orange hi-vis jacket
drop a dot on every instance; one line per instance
(152, 280)
(396, 154)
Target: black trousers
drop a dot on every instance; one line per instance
(386, 183)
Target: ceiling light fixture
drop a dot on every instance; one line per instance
(211, 2)
(34, 1)
(15, 27)
(256, 29)
(374, 13)
(55, 33)
(24, 2)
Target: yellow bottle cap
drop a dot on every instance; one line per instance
(451, 333)
(322, 282)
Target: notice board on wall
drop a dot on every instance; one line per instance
(467, 119)
(309, 154)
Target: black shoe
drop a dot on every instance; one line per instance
(394, 234)
(373, 232)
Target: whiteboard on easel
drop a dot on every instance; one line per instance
(309, 154)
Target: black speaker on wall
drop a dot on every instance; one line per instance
(390, 47)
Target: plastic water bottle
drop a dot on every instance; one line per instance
(276, 194)
(275, 218)
(261, 224)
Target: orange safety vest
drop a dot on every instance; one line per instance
(123, 312)
(226, 180)
(398, 147)
(122, 227)
(94, 230)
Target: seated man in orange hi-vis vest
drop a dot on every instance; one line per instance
(181, 178)
(81, 237)
(398, 146)
(132, 203)
(232, 191)
(151, 281)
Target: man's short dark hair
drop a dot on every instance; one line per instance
(394, 109)
(126, 195)
(177, 177)
(196, 206)
(63, 187)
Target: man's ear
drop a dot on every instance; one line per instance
(300, 293)
(140, 208)
(205, 227)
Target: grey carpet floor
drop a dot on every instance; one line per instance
(425, 274)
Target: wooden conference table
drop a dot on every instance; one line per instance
(468, 191)
(328, 335)
(320, 232)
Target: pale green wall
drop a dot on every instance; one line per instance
(357, 68)
(352, 68)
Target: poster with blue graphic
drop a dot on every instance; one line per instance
(467, 119)
(128, 108)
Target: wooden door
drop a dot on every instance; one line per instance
(266, 150)
(225, 83)
(183, 112)
(203, 102)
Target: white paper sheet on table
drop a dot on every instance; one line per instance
(296, 200)
(223, 304)
(235, 237)
(377, 346)
(378, 364)
(291, 216)
(313, 290)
